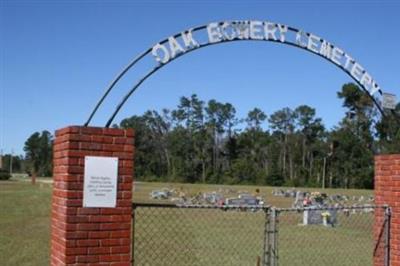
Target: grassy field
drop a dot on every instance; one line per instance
(209, 236)
(24, 223)
(349, 243)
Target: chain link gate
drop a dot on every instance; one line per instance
(328, 236)
(248, 235)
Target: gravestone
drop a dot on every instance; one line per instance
(315, 217)
(311, 216)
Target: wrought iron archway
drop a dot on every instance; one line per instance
(182, 43)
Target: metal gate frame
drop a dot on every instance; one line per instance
(272, 229)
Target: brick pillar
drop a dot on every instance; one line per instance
(80, 235)
(387, 191)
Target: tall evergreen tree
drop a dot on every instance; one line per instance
(38, 152)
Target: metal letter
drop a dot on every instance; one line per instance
(325, 49)
(299, 41)
(282, 30)
(188, 40)
(175, 47)
(356, 71)
(155, 52)
(270, 32)
(243, 28)
(374, 88)
(337, 54)
(256, 30)
(224, 31)
(349, 60)
(366, 79)
(214, 33)
(312, 43)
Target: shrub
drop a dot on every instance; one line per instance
(4, 174)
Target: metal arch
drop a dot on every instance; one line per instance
(133, 89)
(151, 72)
(112, 84)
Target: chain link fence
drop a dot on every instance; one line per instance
(247, 235)
(198, 235)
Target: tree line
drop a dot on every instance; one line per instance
(38, 156)
(205, 142)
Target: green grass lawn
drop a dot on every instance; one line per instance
(24, 223)
(197, 236)
(350, 243)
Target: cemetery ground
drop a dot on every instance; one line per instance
(25, 227)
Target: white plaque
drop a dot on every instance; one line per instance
(389, 101)
(100, 182)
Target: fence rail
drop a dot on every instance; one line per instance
(248, 235)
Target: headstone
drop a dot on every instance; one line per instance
(316, 217)
(311, 216)
(298, 202)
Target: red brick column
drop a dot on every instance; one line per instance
(387, 191)
(82, 236)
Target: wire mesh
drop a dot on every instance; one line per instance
(165, 235)
(330, 236)
(210, 235)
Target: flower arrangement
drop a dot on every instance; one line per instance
(317, 197)
(325, 218)
(325, 214)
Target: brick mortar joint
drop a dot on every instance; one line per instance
(95, 131)
(386, 157)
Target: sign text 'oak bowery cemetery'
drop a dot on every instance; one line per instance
(262, 30)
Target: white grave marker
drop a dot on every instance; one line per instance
(100, 182)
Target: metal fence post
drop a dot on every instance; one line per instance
(276, 232)
(388, 215)
(273, 238)
(265, 247)
(133, 235)
(267, 242)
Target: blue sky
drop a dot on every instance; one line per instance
(57, 57)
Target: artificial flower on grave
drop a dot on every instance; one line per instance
(325, 214)
(317, 197)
